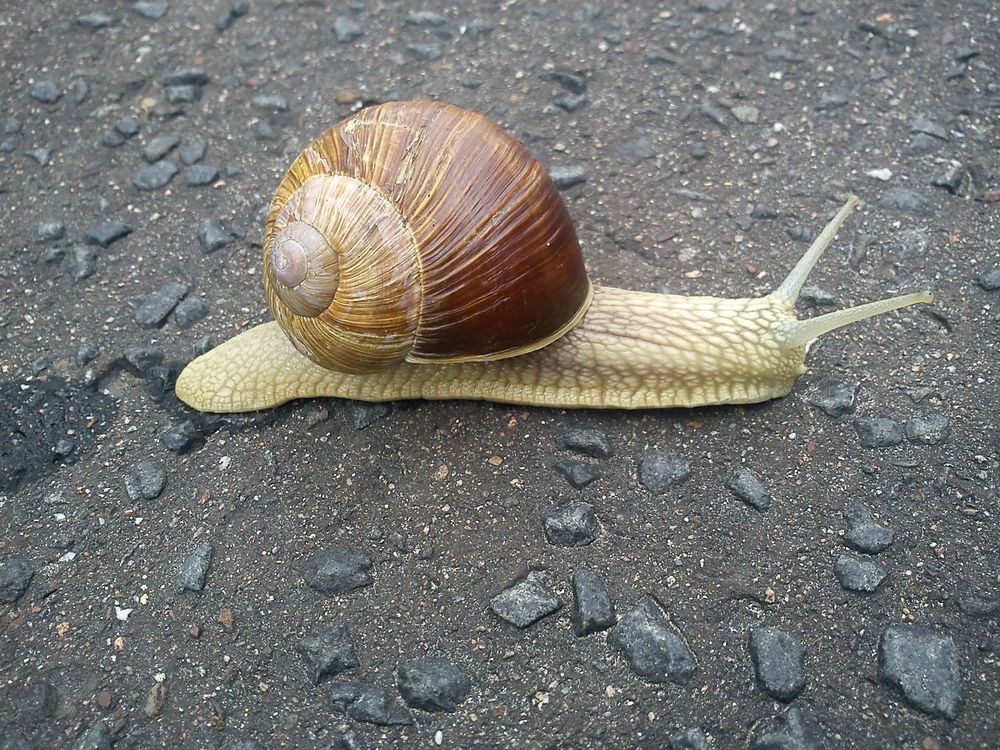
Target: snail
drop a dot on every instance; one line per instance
(416, 250)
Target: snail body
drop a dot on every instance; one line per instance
(416, 250)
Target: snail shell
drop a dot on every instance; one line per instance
(422, 232)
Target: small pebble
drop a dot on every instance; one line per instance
(834, 396)
(586, 441)
(52, 255)
(689, 739)
(990, 281)
(593, 610)
(863, 576)
(652, 644)
(636, 149)
(882, 175)
(922, 144)
(793, 731)
(570, 102)
(425, 52)
(747, 487)
(925, 125)
(183, 94)
(746, 114)
(425, 18)
(571, 525)
(106, 233)
(905, 200)
(777, 659)
(143, 357)
(181, 436)
(763, 211)
(878, 432)
(526, 602)
(147, 482)
(198, 175)
(432, 685)
(127, 126)
(42, 155)
(190, 311)
(194, 570)
(661, 471)
(950, 177)
(86, 353)
(212, 235)
(578, 473)
(378, 706)
(864, 533)
(328, 652)
(155, 176)
(271, 102)
(186, 77)
(15, 575)
(923, 666)
(82, 263)
(159, 146)
(929, 430)
(813, 295)
(568, 175)
(338, 570)
(94, 21)
(50, 230)
(192, 153)
(831, 100)
(346, 29)
(45, 91)
(98, 737)
(154, 10)
(159, 305)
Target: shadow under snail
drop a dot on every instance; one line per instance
(416, 250)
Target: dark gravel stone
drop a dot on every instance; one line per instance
(748, 488)
(42, 699)
(328, 652)
(567, 175)
(864, 533)
(573, 81)
(263, 130)
(86, 353)
(425, 18)
(930, 430)
(661, 471)
(571, 525)
(198, 175)
(106, 233)
(154, 10)
(863, 576)
(923, 667)
(9, 145)
(181, 436)
(98, 737)
(922, 144)
(908, 201)
(63, 447)
(82, 263)
(570, 102)
(689, 739)
(378, 706)
(53, 255)
(361, 414)
(50, 230)
(192, 153)
(950, 178)
(432, 685)
(777, 658)
(813, 295)
(186, 77)
(184, 94)
(212, 235)
(977, 606)
(928, 126)
(346, 29)
(157, 307)
(990, 281)
(159, 146)
(589, 442)
(593, 609)
(270, 102)
(12, 125)
(794, 731)
(155, 176)
(194, 570)
(17, 741)
(526, 602)
(763, 211)
(636, 149)
(878, 432)
(653, 646)
(143, 357)
(338, 570)
(45, 91)
(190, 311)
(578, 473)
(15, 575)
(147, 482)
(112, 139)
(94, 21)
(42, 155)
(425, 52)
(127, 126)
(243, 743)
(831, 100)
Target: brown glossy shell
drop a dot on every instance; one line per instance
(420, 231)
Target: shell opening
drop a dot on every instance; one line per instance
(306, 268)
